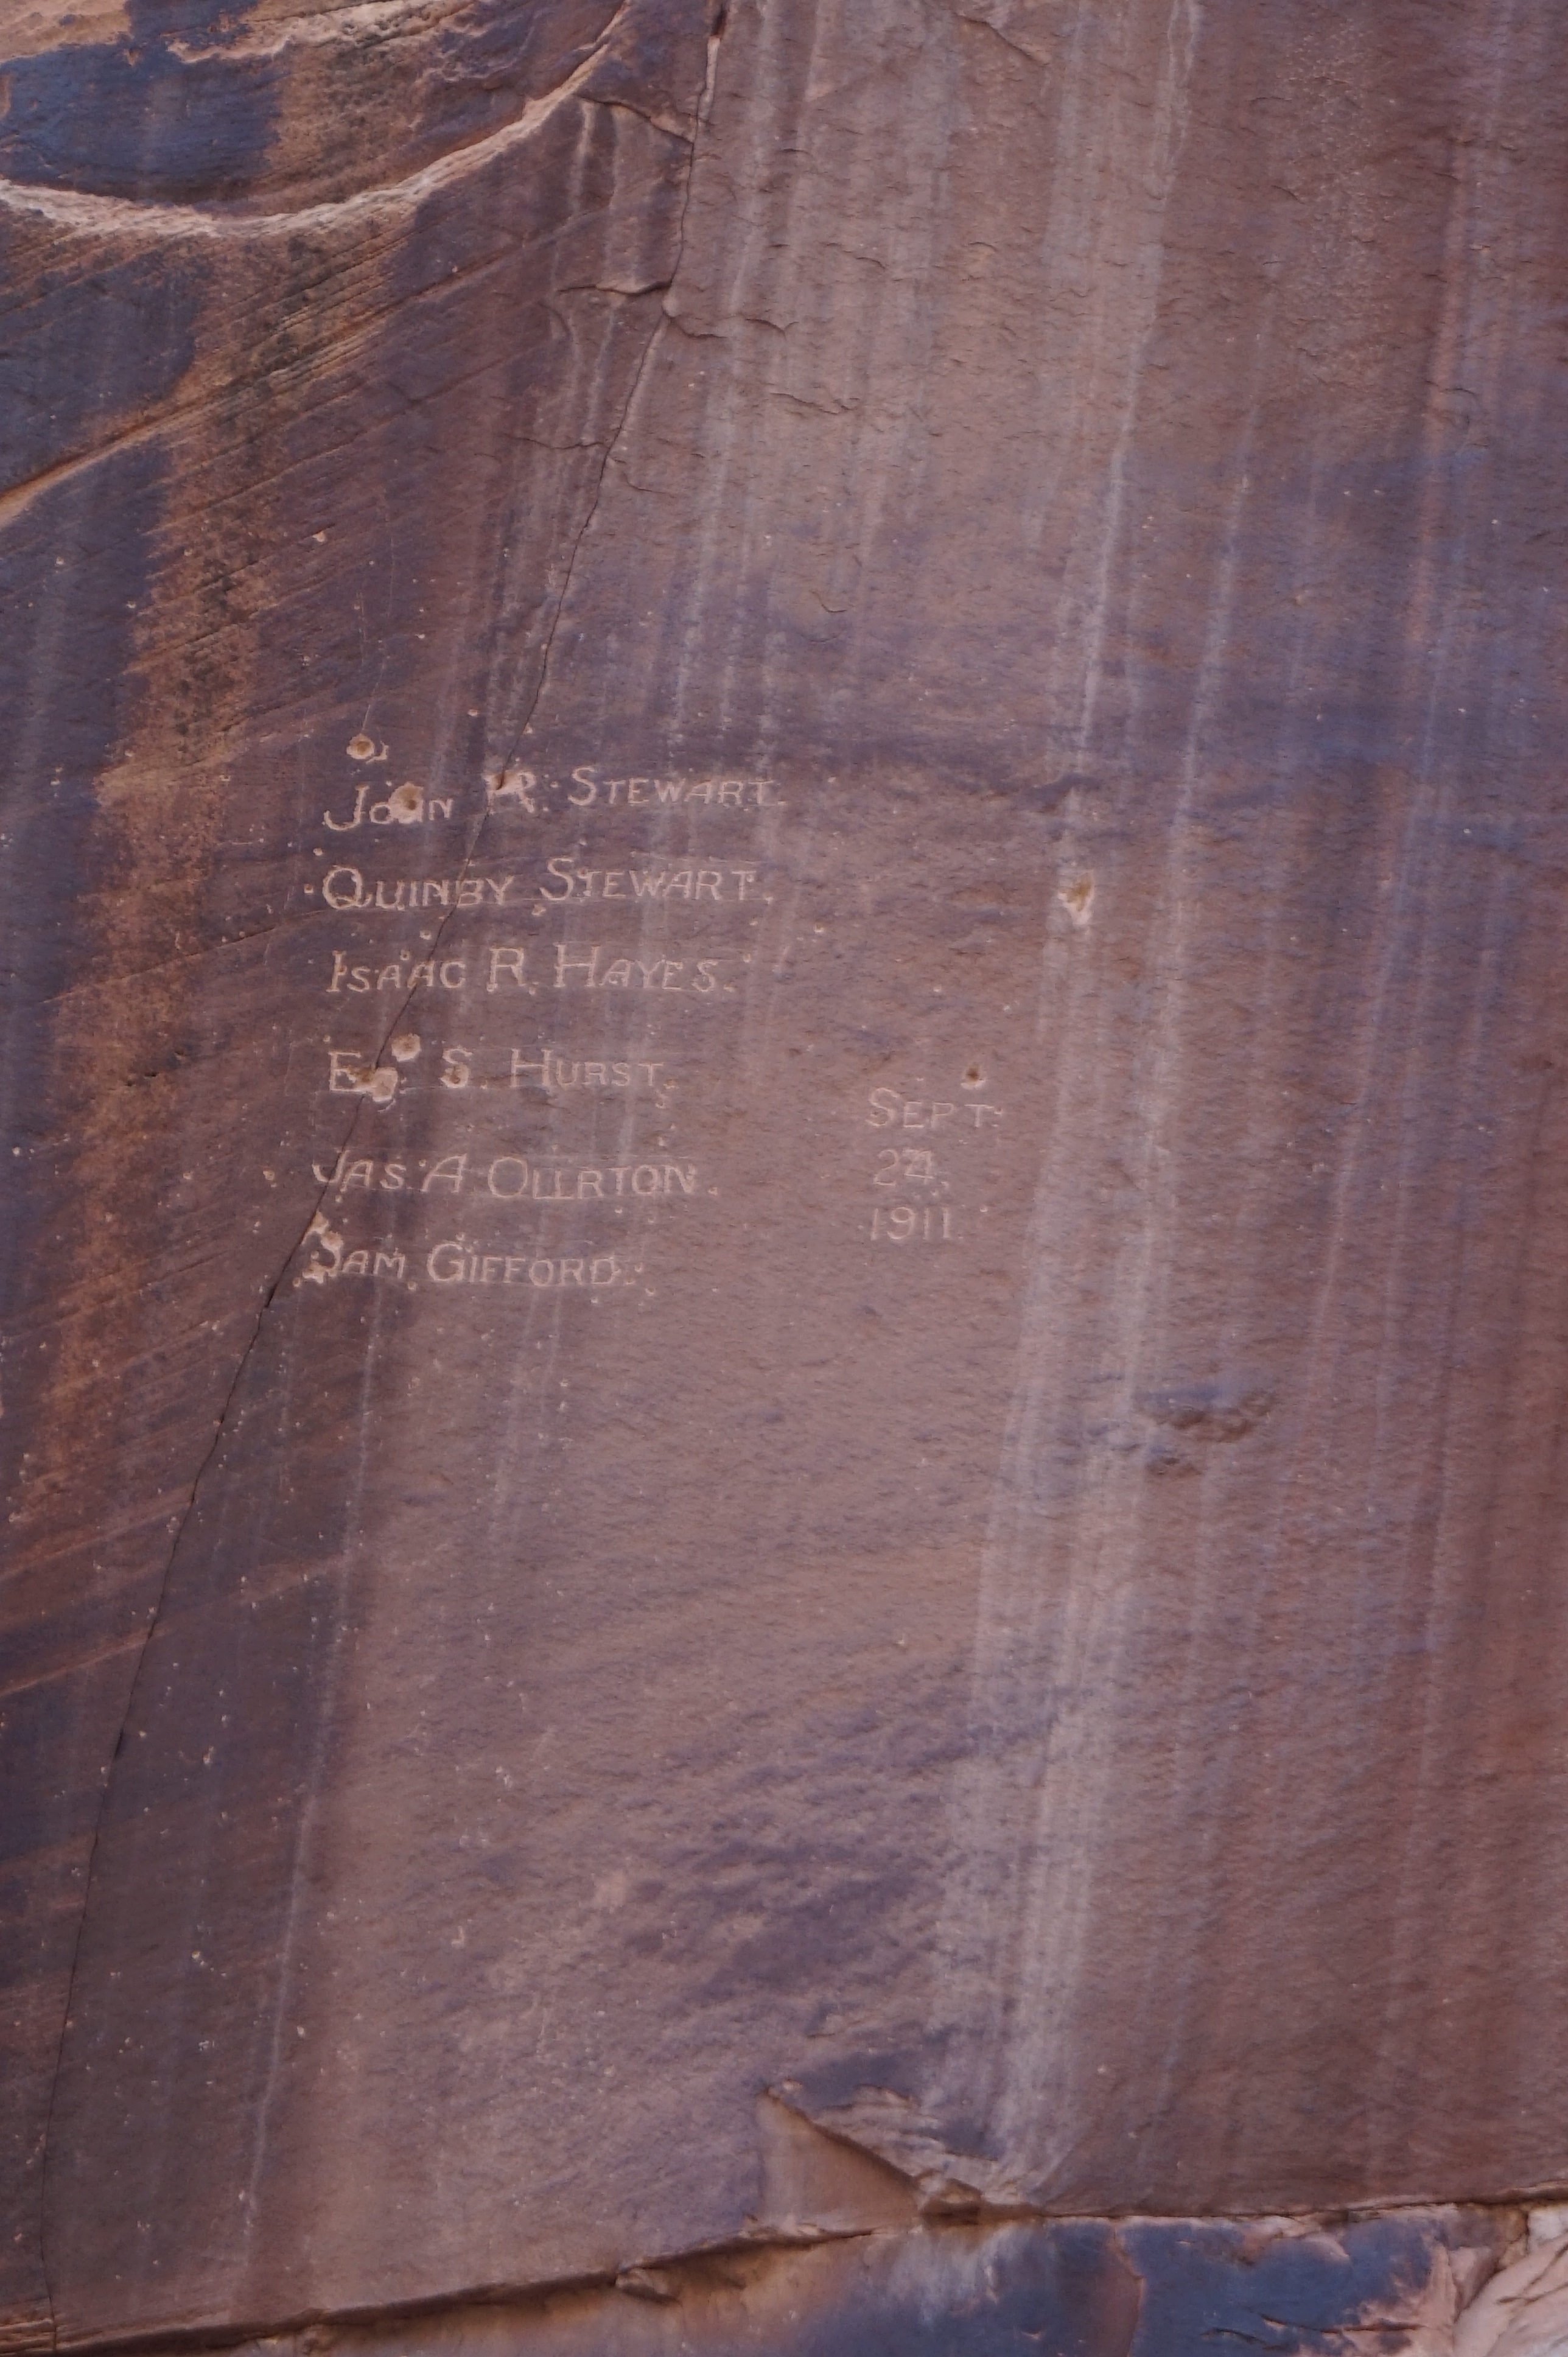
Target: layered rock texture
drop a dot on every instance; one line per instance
(787, 1245)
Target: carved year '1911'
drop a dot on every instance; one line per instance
(901, 1223)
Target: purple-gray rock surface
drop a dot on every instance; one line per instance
(786, 1269)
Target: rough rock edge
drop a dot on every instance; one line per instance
(1473, 2304)
(1518, 2306)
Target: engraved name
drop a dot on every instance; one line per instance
(346, 887)
(599, 970)
(372, 1261)
(524, 790)
(513, 1179)
(567, 881)
(404, 807)
(453, 1263)
(505, 964)
(351, 1073)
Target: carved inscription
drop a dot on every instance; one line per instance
(598, 969)
(504, 965)
(536, 793)
(408, 806)
(510, 1178)
(900, 1223)
(522, 981)
(453, 1263)
(914, 1184)
(559, 879)
(586, 788)
(557, 1069)
(344, 887)
(548, 1070)
(889, 1110)
(564, 880)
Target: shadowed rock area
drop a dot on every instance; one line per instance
(786, 1259)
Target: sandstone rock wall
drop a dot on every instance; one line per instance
(785, 1356)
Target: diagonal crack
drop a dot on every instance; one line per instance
(611, 444)
(488, 2298)
(659, 2275)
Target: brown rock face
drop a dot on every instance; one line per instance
(788, 1263)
